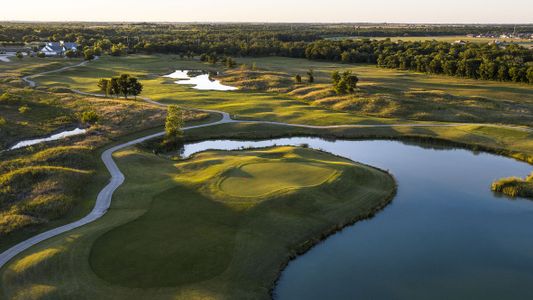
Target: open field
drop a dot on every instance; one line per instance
(186, 238)
(385, 93)
(384, 96)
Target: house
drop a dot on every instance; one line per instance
(58, 48)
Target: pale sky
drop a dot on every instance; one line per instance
(393, 11)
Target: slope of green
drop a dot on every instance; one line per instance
(172, 234)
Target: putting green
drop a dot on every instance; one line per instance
(172, 233)
(262, 179)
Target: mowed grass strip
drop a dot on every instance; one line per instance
(171, 234)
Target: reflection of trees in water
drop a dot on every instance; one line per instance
(196, 73)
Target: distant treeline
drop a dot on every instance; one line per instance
(478, 61)
(510, 63)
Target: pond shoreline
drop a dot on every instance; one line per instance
(46, 138)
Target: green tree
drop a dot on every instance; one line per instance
(310, 76)
(104, 86)
(118, 50)
(113, 87)
(19, 55)
(336, 76)
(344, 83)
(88, 54)
(124, 85)
(70, 54)
(174, 122)
(517, 74)
(97, 51)
(135, 87)
(230, 63)
(530, 75)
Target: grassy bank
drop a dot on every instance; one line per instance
(509, 142)
(515, 187)
(189, 230)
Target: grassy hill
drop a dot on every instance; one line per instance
(219, 225)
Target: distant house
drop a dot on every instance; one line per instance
(58, 48)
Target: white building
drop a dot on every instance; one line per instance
(58, 49)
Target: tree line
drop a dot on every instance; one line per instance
(213, 41)
(469, 60)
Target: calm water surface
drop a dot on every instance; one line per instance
(445, 235)
(199, 82)
(54, 137)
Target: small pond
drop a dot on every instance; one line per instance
(54, 137)
(444, 236)
(199, 80)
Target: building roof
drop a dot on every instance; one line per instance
(59, 47)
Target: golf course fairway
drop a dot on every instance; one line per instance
(219, 225)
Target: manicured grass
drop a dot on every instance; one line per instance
(171, 233)
(259, 180)
(385, 96)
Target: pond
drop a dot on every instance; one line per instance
(54, 137)
(199, 80)
(444, 236)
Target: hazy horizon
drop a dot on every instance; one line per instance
(276, 11)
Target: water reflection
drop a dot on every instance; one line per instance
(445, 235)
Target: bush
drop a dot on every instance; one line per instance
(89, 117)
(41, 54)
(514, 186)
(24, 109)
(2, 122)
(8, 98)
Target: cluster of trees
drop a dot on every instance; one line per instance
(213, 58)
(310, 77)
(478, 61)
(345, 82)
(123, 85)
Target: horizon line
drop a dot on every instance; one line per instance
(265, 22)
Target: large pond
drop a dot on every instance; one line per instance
(445, 235)
(199, 80)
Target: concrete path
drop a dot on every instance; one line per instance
(103, 201)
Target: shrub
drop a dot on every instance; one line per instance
(24, 109)
(2, 122)
(89, 117)
(8, 98)
(514, 186)
(41, 54)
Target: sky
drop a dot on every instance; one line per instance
(391, 11)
